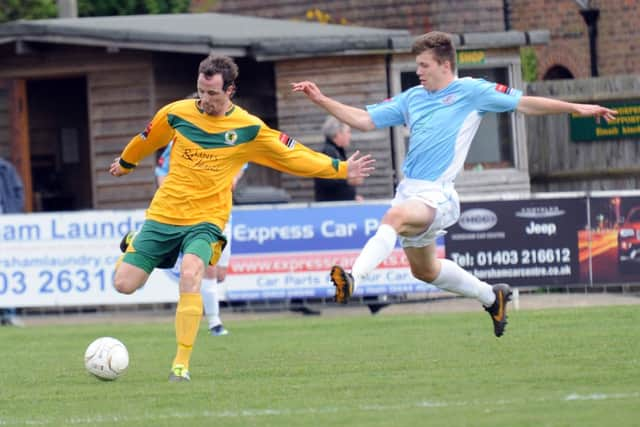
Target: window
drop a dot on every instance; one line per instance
(492, 147)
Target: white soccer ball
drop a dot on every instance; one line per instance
(106, 358)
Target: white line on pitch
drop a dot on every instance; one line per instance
(252, 413)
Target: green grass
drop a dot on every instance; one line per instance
(570, 367)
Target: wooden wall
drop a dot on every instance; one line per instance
(14, 146)
(558, 164)
(357, 81)
(5, 124)
(120, 105)
(256, 94)
(120, 100)
(124, 89)
(464, 16)
(174, 76)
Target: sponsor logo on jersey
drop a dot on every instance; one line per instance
(288, 141)
(505, 89)
(230, 137)
(449, 99)
(145, 133)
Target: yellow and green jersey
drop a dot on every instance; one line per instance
(208, 151)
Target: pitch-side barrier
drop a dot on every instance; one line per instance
(284, 252)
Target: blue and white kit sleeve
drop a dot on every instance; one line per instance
(162, 165)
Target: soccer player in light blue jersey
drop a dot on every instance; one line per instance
(443, 114)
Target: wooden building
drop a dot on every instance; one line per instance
(587, 39)
(73, 91)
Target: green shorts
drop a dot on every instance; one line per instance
(158, 245)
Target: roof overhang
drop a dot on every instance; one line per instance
(492, 40)
(239, 36)
(234, 35)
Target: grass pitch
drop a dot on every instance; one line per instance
(562, 367)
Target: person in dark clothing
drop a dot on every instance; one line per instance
(11, 189)
(337, 136)
(337, 139)
(11, 201)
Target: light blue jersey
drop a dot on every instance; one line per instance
(442, 124)
(162, 165)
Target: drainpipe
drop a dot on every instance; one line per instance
(590, 17)
(388, 72)
(506, 15)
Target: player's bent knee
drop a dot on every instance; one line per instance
(425, 274)
(189, 274)
(124, 286)
(129, 278)
(395, 218)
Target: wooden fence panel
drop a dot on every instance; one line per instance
(120, 105)
(352, 80)
(558, 164)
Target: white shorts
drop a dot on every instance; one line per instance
(442, 197)
(226, 253)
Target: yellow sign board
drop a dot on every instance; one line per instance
(625, 125)
(471, 57)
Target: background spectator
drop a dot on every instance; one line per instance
(11, 201)
(337, 138)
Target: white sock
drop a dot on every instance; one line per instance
(210, 302)
(376, 250)
(454, 278)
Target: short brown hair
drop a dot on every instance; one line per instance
(439, 44)
(219, 64)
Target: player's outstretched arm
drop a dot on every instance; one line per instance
(277, 150)
(360, 166)
(156, 135)
(354, 117)
(596, 111)
(539, 105)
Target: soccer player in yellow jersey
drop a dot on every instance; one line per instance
(213, 139)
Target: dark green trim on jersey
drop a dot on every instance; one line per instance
(335, 163)
(227, 114)
(213, 140)
(126, 165)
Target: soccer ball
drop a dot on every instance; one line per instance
(106, 358)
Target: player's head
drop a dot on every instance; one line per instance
(220, 64)
(216, 83)
(337, 131)
(435, 59)
(439, 44)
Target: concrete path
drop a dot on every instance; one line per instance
(525, 301)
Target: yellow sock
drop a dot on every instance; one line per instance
(119, 261)
(188, 315)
